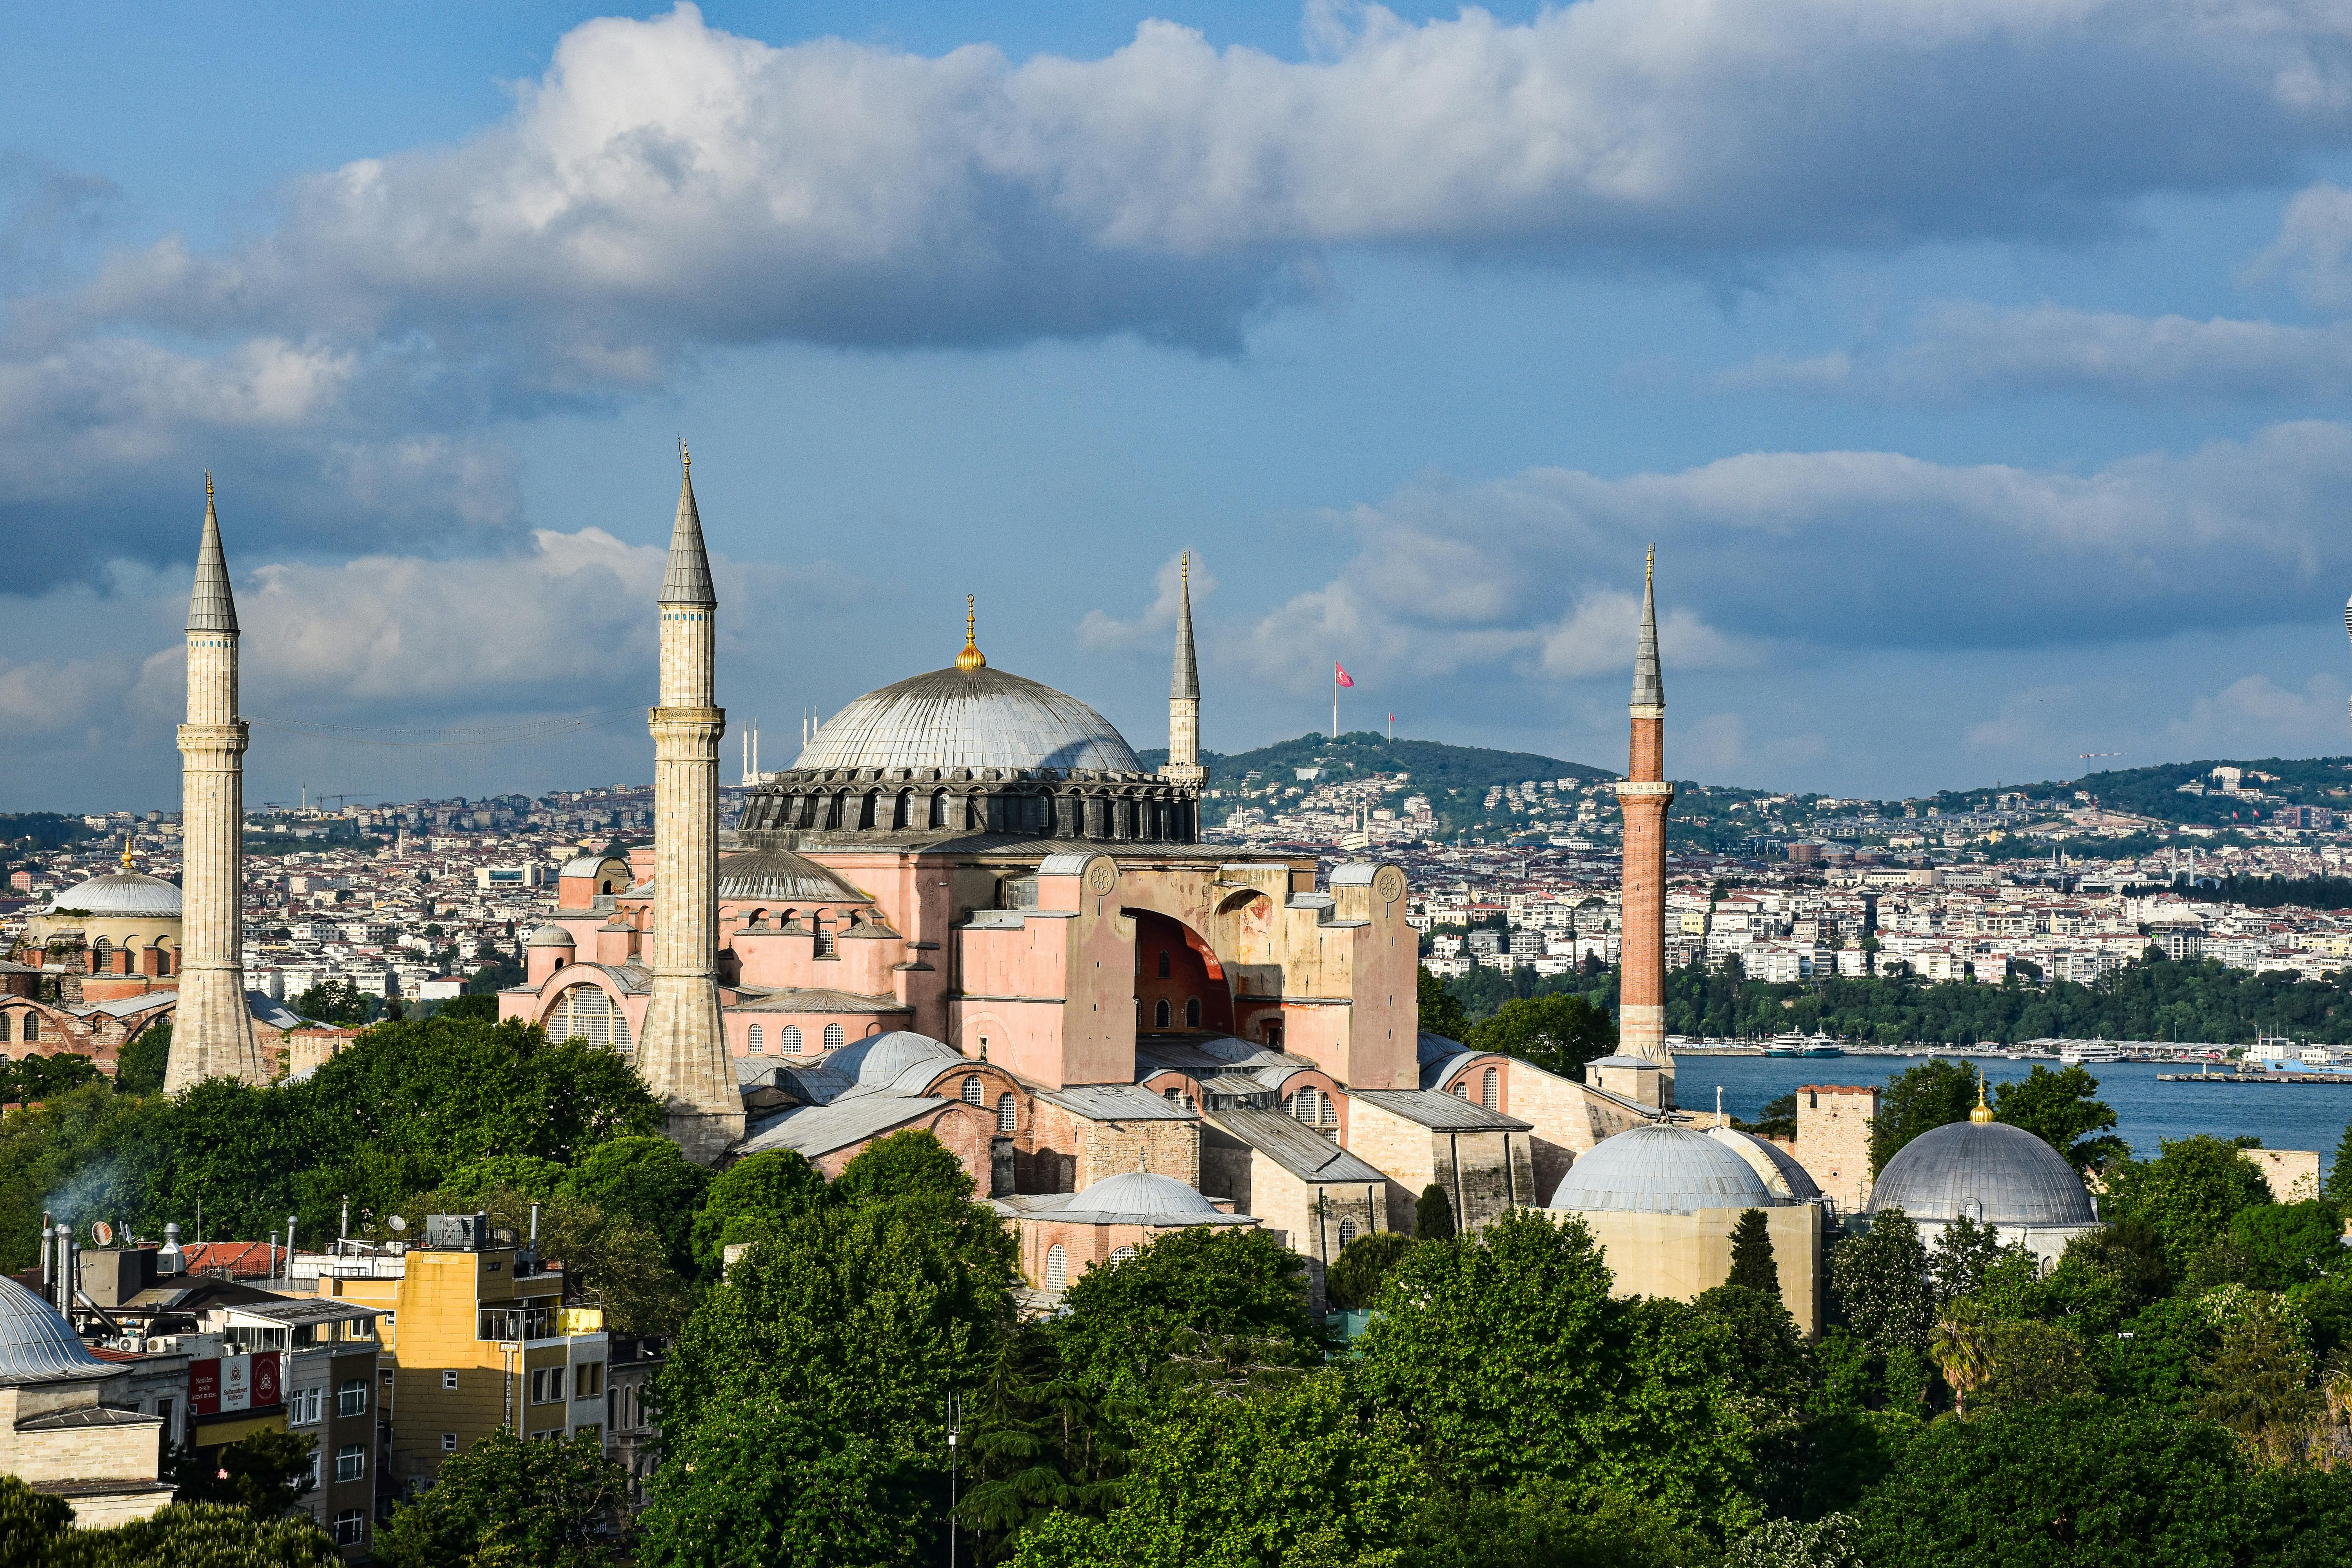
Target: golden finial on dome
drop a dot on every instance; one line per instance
(126, 851)
(971, 658)
(1983, 1113)
(1650, 567)
(208, 484)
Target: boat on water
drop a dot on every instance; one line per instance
(2085, 1054)
(1793, 1044)
(1822, 1048)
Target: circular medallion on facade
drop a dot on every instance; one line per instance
(1388, 884)
(1100, 876)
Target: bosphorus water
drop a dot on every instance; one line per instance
(2283, 1116)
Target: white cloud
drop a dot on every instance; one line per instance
(2314, 249)
(1156, 626)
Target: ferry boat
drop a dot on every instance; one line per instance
(1793, 1044)
(2081, 1054)
(1822, 1048)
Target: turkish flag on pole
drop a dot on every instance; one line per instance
(1342, 671)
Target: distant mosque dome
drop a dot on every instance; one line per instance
(976, 717)
(1661, 1169)
(122, 895)
(1985, 1171)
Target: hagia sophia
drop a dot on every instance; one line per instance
(968, 908)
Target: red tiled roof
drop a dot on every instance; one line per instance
(232, 1259)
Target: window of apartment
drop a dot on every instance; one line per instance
(448, 1442)
(302, 1407)
(448, 1380)
(310, 1468)
(351, 1399)
(387, 1375)
(351, 1526)
(350, 1462)
(164, 1409)
(546, 1385)
(588, 1380)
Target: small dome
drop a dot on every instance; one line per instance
(879, 1059)
(781, 874)
(1989, 1170)
(37, 1344)
(1138, 1197)
(976, 718)
(1784, 1171)
(551, 936)
(121, 894)
(1661, 1169)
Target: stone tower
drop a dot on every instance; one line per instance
(212, 1032)
(1643, 797)
(683, 1056)
(1184, 693)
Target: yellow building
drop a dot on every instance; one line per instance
(477, 1338)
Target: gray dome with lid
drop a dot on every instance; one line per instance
(37, 1345)
(880, 1060)
(1140, 1197)
(1987, 1171)
(551, 936)
(1661, 1169)
(122, 895)
(978, 718)
(781, 874)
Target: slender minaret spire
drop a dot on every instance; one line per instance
(682, 1055)
(1643, 797)
(212, 1029)
(1184, 693)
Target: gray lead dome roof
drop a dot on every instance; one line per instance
(124, 895)
(1989, 1170)
(37, 1344)
(1662, 1170)
(781, 874)
(983, 718)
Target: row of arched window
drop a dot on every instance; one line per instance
(1008, 1115)
(1490, 1089)
(755, 1040)
(1057, 1264)
(1062, 816)
(1163, 1013)
(31, 1026)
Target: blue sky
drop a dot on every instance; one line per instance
(1979, 372)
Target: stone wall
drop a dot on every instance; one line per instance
(1834, 1123)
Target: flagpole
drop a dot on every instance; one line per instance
(1334, 700)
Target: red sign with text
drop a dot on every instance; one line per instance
(222, 1386)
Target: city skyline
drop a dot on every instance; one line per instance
(1955, 476)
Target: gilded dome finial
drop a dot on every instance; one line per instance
(971, 658)
(126, 851)
(1983, 1113)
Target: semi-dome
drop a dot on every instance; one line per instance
(879, 1059)
(1661, 1169)
(1986, 1170)
(973, 718)
(1764, 1156)
(37, 1344)
(122, 895)
(782, 875)
(551, 936)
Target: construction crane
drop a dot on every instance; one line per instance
(2086, 756)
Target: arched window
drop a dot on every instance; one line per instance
(1121, 1254)
(1491, 1092)
(1007, 1115)
(971, 1090)
(756, 1040)
(1193, 1014)
(1329, 1109)
(823, 937)
(938, 808)
(792, 1039)
(1164, 964)
(1057, 1267)
(585, 1013)
(1462, 1089)
(32, 1028)
(1305, 1106)
(1160, 1014)
(4, 1026)
(1347, 1232)
(833, 1036)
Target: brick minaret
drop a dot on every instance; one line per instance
(1645, 796)
(683, 1056)
(212, 1029)
(1184, 693)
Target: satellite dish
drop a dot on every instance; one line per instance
(397, 1224)
(102, 1232)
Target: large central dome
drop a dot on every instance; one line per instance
(974, 718)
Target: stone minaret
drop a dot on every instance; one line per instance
(683, 1056)
(1184, 693)
(1643, 797)
(212, 1033)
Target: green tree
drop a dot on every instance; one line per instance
(1918, 1100)
(1961, 1343)
(2078, 1481)
(558, 1504)
(31, 1523)
(1222, 1299)
(138, 1066)
(1752, 1263)
(1036, 1443)
(1432, 1214)
(2059, 1108)
(1957, 1263)
(200, 1535)
(648, 1179)
(750, 1200)
(2289, 1243)
(1507, 1357)
(1558, 1033)
(1826, 1543)
(1440, 1010)
(1545, 1523)
(266, 1473)
(2338, 1190)
(35, 1079)
(771, 1484)
(613, 1261)
(2187, 1194)
(907, 1163)
(2129, 1252)
(482, 1009)
(2261, 1376)
(1354, 1277)
(2033, 1363)
(1879, 1280)
(339, 1003)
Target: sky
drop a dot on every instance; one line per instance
(1980, 372)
